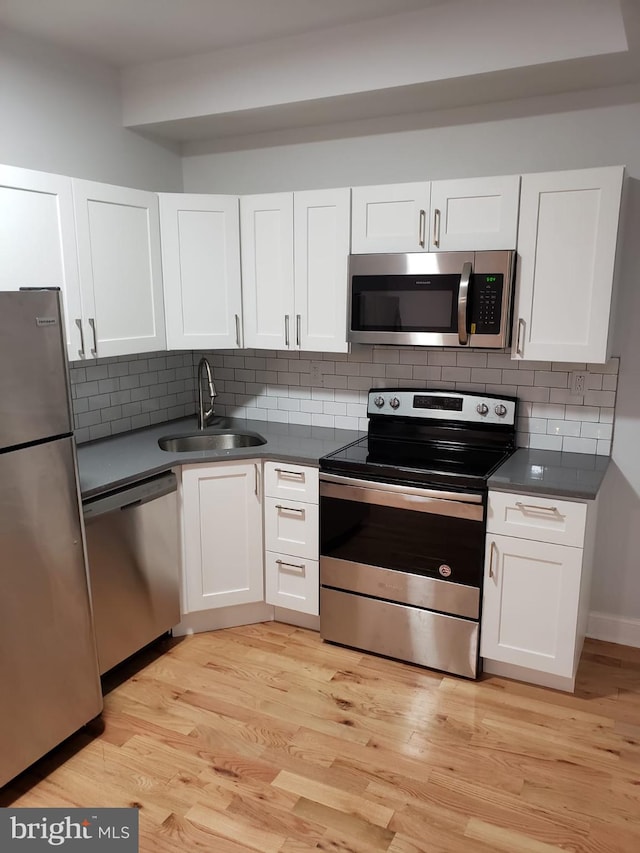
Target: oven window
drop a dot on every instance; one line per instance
(404, 303)
(402, 539)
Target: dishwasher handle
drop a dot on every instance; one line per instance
(137, 493)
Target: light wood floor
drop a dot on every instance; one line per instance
(264, 738)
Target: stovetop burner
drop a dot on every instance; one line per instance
(440, 438)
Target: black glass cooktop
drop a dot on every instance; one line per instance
(455, 466)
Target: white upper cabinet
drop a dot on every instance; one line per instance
(266, 223)
(471, 214)
(474, 213)
(295, 249)
(566, 245)
(201, 270)
(118, 233)
(321, 255)
(38, 241)
(390, 218)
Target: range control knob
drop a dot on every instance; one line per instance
(500, 410)
(379, 401)
(482, 408)
(394, 402)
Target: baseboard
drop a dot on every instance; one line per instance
(223, 617)
(614, 629)
(530, 676)
(300, 620)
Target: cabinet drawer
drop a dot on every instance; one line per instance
(294, 482)
(292, 582)
(291, 527)
(532, 517)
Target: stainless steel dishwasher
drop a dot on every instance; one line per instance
(132, 545)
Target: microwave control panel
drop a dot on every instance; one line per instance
(486, 303)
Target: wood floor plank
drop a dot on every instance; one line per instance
(264, 738)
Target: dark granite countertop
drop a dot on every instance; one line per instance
(551, 472)
(122, 459)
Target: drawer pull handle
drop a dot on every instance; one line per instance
(299, 474)
(291, 565)
(289, 509)
(551, 509)
(491, 553)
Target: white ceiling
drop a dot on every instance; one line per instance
(124, 32)
(135, 34)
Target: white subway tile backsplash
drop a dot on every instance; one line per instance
(582, 413)
(546, 442)
(599, 430)
(552, 378)
(118, 394)
(563, 428)
(579, 445)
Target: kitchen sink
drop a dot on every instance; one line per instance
(219, 440)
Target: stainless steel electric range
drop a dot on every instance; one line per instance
(402, 526)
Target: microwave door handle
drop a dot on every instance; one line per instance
(463, 298)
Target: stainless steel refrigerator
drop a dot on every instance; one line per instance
(49, 683)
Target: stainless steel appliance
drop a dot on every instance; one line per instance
(402, 526)
(48, 668)
(132, 544)
(452, 299)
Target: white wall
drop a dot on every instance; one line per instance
(563, 132)
(62, 113)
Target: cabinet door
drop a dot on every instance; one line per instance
(530, 604)
(201, 270)
(474, 214)
(390, 218)
(38, 242)
(266, 223)
(222, 528)
(120, 271)
(321, 253)
(292, 582)
(566, 243)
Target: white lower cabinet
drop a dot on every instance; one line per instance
(536, 592)
(291, 537)
(222, 535)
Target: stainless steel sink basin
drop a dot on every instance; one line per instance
(218, 440)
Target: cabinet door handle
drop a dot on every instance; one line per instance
(552, 509)
(299, 474)
(291, 565)
(81, 352)
(436, 228)
(521, 326)
(289, 509)
(492, 550)
(286, 330)
(257, 486)
(238, 331)
(298, 324)
(422, 229)
(92, 324)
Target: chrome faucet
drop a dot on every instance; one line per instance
(203, 416)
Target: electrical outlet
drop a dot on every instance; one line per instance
(578, 382)
(316, 374)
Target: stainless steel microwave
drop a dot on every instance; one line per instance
(445, 299)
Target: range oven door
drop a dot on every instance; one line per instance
(401, 570)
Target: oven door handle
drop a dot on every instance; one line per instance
(463, 298)
(399, 497)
